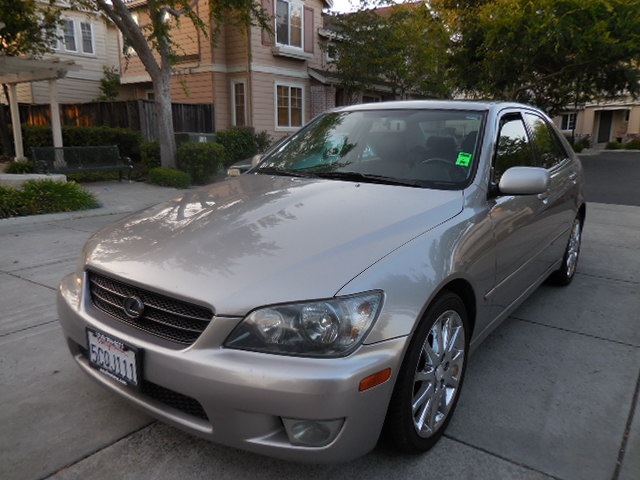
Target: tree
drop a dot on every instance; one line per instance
(109, 83)
(403, 46)
(546, 52)
(29, 29)
(153, 42)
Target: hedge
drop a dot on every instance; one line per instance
(168, 177)
(44, 196)
(242, 143)
(128, 141)
(201, 160)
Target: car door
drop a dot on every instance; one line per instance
(519, 222)
(560, 196)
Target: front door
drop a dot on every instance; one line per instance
(604, 130)
(518, 221)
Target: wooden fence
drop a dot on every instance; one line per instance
(134, 114)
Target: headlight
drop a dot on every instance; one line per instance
(322, 328)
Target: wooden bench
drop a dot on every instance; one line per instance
(79, 159)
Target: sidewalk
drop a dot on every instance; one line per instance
(551, 394)
(115, 198)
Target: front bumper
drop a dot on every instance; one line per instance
(243, 395)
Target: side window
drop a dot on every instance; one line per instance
(513, 146)
(549, 150)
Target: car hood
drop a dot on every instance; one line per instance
(256, 239)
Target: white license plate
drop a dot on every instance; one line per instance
(113, 358)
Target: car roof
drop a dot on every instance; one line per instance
(434, 105)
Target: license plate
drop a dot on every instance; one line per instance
(113, 358)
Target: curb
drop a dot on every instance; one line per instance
(57, 217)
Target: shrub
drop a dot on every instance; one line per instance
(579, 144)
(613, 146)
(19, 167)
(263, 141)
(128, 141)
(633, 144)
(10, 204)
(44, 196)
(238, 142)
(96, 176)
(201, 160)
(149, 155)
(168, 177)
(36, 136)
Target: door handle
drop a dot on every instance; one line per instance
(573, 177)
(544, 197)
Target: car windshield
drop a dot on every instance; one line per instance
(419, 148)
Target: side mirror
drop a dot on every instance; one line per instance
(524, 181)
(255, 160)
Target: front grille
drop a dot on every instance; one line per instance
(166, 317)
(164, 395)
(175, 400)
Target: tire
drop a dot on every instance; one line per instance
(564, 275)
(430, 377)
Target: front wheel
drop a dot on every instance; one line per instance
(567, 271)
(430, 379)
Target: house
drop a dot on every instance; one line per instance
(91, 42)
(254, 78)
(603, 121)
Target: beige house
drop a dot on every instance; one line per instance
(605, 121)
(91, 42)
(253, 78)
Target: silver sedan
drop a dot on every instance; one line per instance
(334, 292)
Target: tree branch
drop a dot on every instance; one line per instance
(121, 16)
(177, 13)
(563, 70)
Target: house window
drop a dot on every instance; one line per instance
(568, 121)
(371, 98)
(87, 37)
(332, 53)
(289, 23)
(289, 104)
(69, 36)
(239, 104)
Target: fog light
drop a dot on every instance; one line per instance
(312, 433)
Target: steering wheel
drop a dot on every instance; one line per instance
(453, 171)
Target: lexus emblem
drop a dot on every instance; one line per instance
(133, 307)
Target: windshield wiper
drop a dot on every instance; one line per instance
(369, 178)
(283, 172)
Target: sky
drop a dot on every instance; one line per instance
(344, 5)
(352, 5)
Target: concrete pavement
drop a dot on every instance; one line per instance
(551, 394)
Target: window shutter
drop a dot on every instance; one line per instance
(267, 38)
(309, 34)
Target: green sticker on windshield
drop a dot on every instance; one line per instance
(464, 159)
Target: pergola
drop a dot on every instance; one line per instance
(14, 70)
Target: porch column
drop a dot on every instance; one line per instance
(56, 129)
(15, 122)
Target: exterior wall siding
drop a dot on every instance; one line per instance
(588, 120)
(238, 54)
(82, 85)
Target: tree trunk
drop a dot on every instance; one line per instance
(5, 138)
(166, 137)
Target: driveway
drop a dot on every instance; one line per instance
(551, 394)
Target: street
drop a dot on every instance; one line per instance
(551, 394)
(612, 177)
